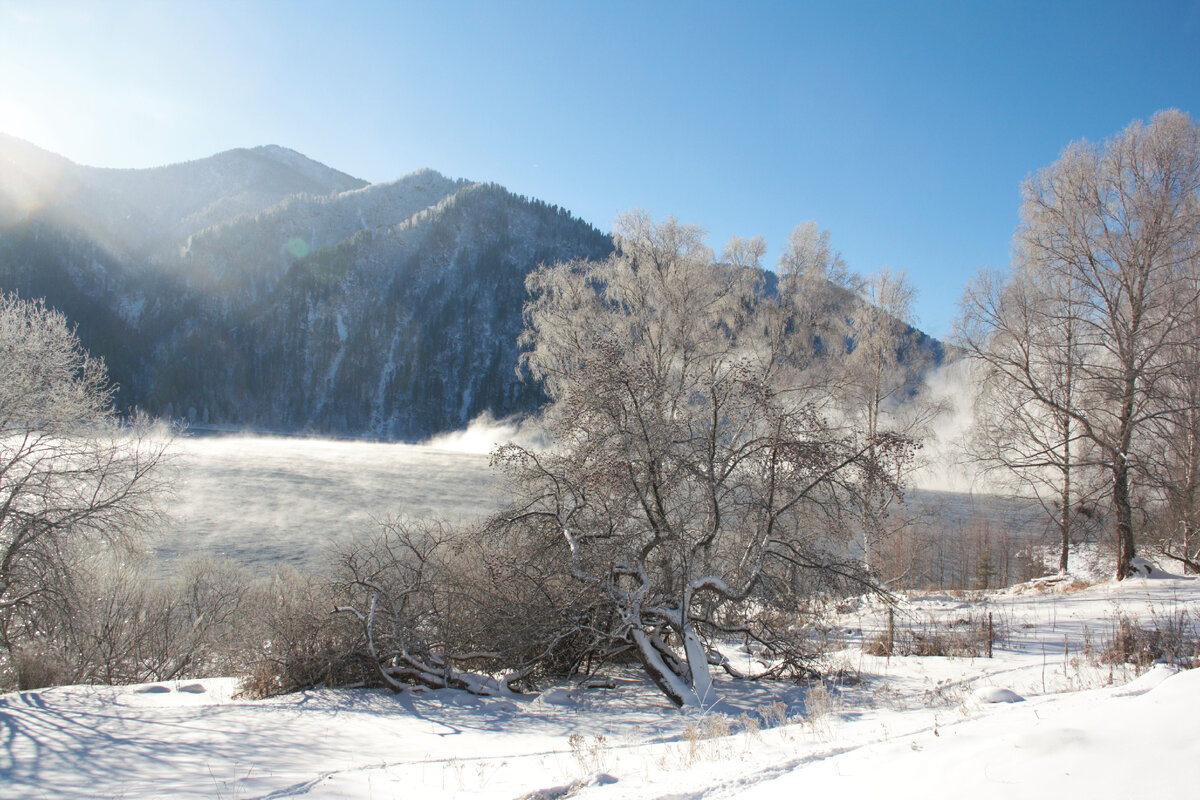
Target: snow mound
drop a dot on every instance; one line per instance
(1144, 683)
(1142, 567)
(172, 693)
(995, 694)
(554, 697)
(158, 688)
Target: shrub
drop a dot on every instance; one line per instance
(295, 640)
(966, 637)
(1171, 638)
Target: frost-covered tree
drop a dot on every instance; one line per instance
(71, 472)
(817, 286)
(1109, 235)
(1172, 461)
(882, 381)
(695, 480)
(1015, 438)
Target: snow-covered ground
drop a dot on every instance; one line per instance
(925, 727)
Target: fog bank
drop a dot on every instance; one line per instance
(262, 500)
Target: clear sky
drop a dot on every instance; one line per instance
(905, 128)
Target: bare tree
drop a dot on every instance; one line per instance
(692, 467)
(881, 386)
(1018, 440)
(1115, 225)
(71, 471)
(1172, 461)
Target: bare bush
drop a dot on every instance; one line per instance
(1169, 638)
(445, 607)
(294, 640)
(966, 637)
(117, 622)
(130, 628)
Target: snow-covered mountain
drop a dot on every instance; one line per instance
(147, 212)
(259, 288)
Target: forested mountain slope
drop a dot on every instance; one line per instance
(258, 288)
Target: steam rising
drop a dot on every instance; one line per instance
(942, 468)
(485, 433)
(264, 500)
(275, 500)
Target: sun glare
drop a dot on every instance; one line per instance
(32, 176)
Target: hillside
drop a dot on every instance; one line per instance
(260, 289)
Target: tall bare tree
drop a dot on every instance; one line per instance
(693, 470)
(1107, 245)
(1172, 462)
(1018, 440)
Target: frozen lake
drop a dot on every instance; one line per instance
(266, 500)
(263, 500)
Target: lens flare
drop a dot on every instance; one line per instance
(297, 247)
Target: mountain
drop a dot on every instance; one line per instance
(145, 213)
(259, 288)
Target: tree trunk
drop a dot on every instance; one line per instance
(1065, 518)
(678, 688)
(697, 657)
(1123, 509)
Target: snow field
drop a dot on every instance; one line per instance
(910, 726)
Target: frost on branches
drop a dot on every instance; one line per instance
(701, 476)
(71, 472)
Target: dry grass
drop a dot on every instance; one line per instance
(965, 637)
(1169, 638)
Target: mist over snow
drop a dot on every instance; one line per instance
(485, 433)
(940, 463)
(264, 500)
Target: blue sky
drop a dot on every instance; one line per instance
(903, 128)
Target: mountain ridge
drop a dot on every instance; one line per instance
(260, 289)
(118, 206)
(244, 290)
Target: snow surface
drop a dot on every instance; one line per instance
(913, 727)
